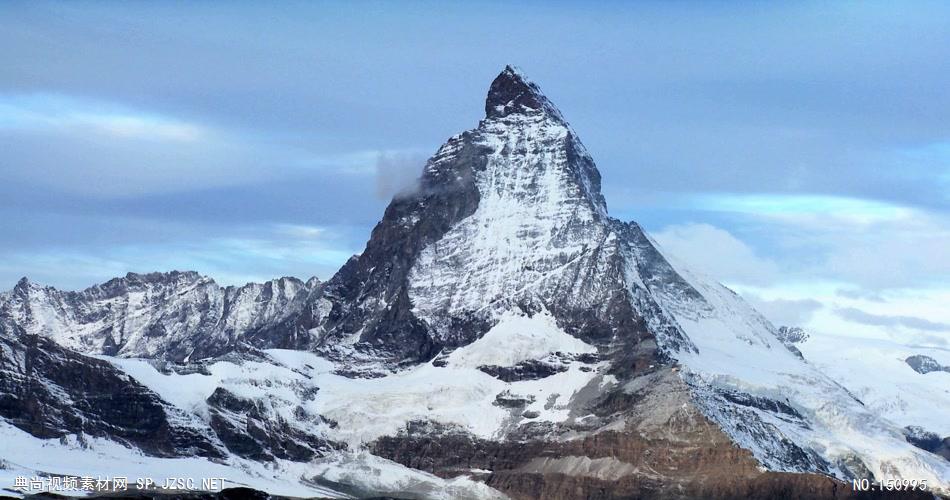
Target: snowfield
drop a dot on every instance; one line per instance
(738, 351)
(874, 370)
(518, 338)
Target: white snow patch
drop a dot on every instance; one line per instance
(28, 456)
(518, 338)
(187, 392)
(385, 477)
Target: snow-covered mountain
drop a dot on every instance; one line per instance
(500, 335)
(174, 316)
(903, 381)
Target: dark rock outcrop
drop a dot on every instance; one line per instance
(250, 430)
(639, 461)
(50, 392)
(926, 440)
(925, 364)
(526, 370)
(791, 335)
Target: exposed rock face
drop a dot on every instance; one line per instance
(925, 364)
(51, 392)
(175, 316)
(926, 440)
(507, 216)
(792, 334)
(665, 449)
(249, 429)
(525, 370)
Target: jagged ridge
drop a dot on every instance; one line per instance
(173, 316)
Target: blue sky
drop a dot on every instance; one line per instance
(798, 152)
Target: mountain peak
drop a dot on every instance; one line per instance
(24, 285)
(512, 92)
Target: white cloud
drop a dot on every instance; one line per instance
(107, 150)
(910, 252)
(398, 171)
(891, 321)
(718, 253)
(907, 316)
(868, 244)
(805, 208)
(785, 312)
(301, 231)
(834, 275)
(260, 254)
(45, 112)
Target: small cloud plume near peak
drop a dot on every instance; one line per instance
(300, 231)
(397, 172)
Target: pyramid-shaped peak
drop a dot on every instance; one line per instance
(23, 285)
(511, 92)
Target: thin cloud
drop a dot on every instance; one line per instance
(785, 312)
(859, 316)
(860, 294)
(38, 112)
(108, 150)
(302, 231)
(804, 207)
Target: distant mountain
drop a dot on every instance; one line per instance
(500, 336)
(176, 316)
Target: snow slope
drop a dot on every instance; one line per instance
(517, 338)
(739, 355)
(874, 370)
(27, 456)
(457, 394)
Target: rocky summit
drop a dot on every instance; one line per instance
(501, 336)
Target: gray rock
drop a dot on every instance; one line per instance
(929, 441)
(52, 392)
(792, 335)
(925, 364)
